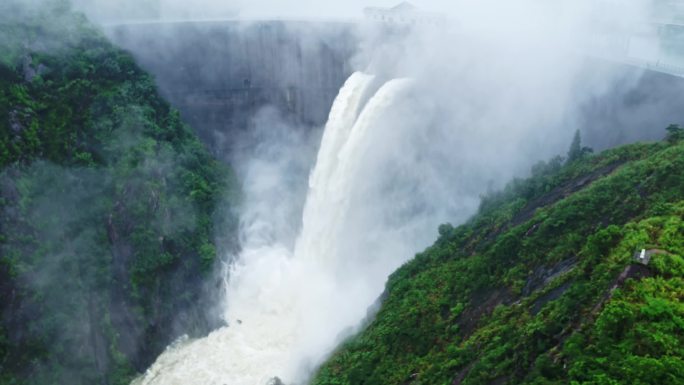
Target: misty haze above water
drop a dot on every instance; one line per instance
(352, 140)
(480, 101)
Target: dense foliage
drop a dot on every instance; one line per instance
(542, 286)
(107, 202)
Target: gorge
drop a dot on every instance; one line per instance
(318, 158)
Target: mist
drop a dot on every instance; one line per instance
(131, 10)
(434, 116)
(430, 118)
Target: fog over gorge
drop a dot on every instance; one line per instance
(439, 104)
(433, 117)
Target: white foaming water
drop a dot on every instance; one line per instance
(364, 215)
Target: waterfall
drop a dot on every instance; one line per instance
(288, 307)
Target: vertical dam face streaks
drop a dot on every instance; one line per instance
(287, 307)
(219, 74)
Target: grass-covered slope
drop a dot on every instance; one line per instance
(106, 204)
(541, 287)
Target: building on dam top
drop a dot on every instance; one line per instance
(669, 12)
(403, 14)
(654, 42)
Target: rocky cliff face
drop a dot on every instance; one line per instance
(220, 74)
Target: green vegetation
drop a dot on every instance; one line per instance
(107, 227)
(675, 133)
(576, 150)
(542, 287)
(107, 201)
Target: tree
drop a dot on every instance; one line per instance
(575, 147)
(675, 133)
(576, 150)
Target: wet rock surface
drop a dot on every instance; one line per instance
(543, 275)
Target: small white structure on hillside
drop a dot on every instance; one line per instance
(644, 256)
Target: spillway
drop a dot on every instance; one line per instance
(288, 307)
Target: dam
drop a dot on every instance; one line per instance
(221, 73)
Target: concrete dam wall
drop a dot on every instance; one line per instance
(220, 74)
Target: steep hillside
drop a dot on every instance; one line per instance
(107, 202)
(544, 285)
